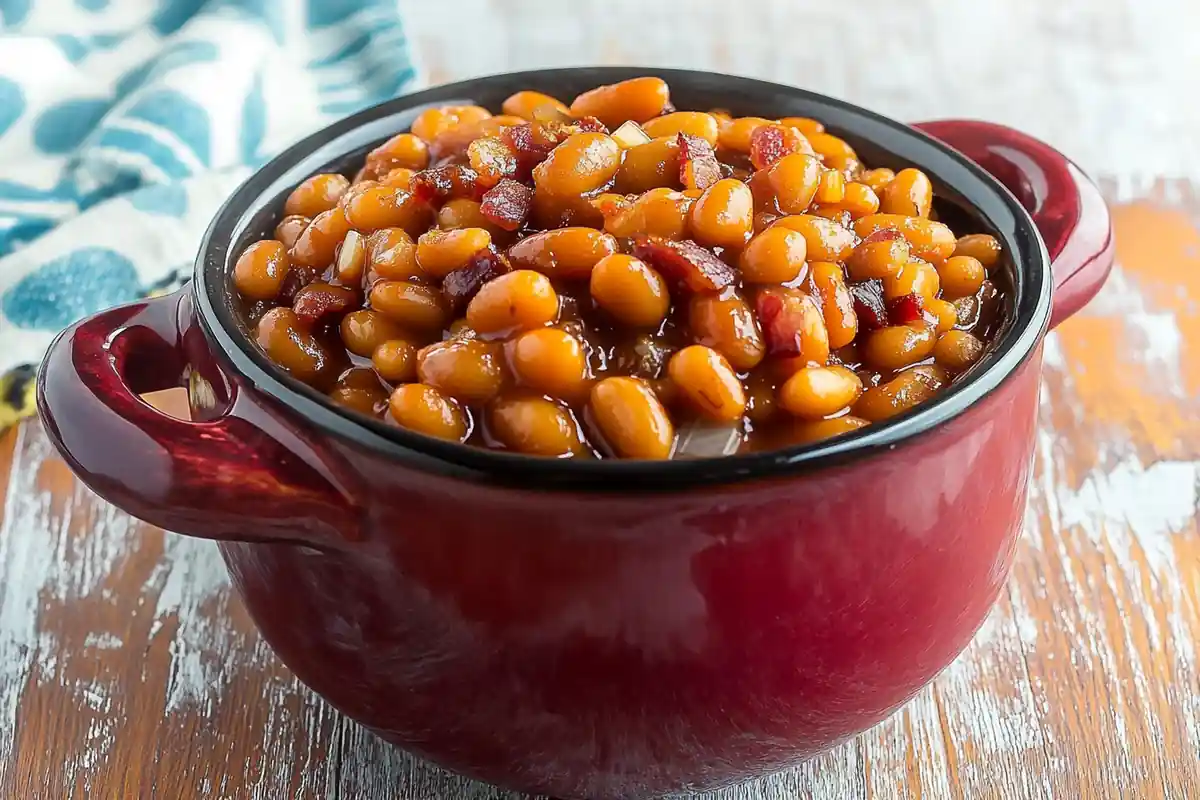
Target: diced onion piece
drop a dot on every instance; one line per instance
(630, 134)
(708, 440)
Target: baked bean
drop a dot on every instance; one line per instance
(827, 241)
(363, 331)
(957, 350)
(658, 212)
(289, 229)
(817, 392)
(535, 426)
(630, 290)
(708, 382)
(859, 200)
(316, 194)
(946, 313)
(649, 166)
(637, 99)
(877, 179)
(424, 409)
(441, 252)
(469, 370)
(411, 305)
(523, 104)
(581, 164)
(734, 134)
(398, 178)
(724, 214)
(878, 259)
(515, 301)
(564, 253)
(726, 324)
(909, 193)
(961, 276)
(832, 213)
(831, 190)
(631, 419)
(916, 277)
(691, 123)
(291, 346)
(905, 391)
(319, 241)
(261, 270)
(777, 255)
(392, 256)
(550, 361)
(931, 241)
(829, 147)
(461, 212)
(804, 324)
(434, 122)
(896, 347)
(794, 180)
(492, 161)
(979, 246)
(395, 361)
(837, 306)
(761, 406)
(812, 432)
(383, 207)
(403, 150)
(359, 389)
(803, 124)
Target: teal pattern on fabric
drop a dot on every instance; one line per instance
(124, 124)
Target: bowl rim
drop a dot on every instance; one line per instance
(987, 197)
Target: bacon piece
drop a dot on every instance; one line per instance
(769, 143)
(909, 308)
(319, 299)
(869, 306)
(590, 125)
(507, 204)
(698, 165)
(687, 264)
(463, 283)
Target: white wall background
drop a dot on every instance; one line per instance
(1113, 83)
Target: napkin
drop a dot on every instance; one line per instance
(124, 124)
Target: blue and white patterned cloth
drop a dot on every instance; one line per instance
(125, 123)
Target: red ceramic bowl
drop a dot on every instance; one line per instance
(594, 629)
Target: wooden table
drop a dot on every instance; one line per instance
(127, 669)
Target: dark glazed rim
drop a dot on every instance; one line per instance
(250, 213)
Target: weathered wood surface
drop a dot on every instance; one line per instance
(127, 669)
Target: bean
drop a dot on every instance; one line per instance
(905, 391)
(831, 189)
(817, 392)
(383, 207)
(536, 426)
(316, 194)
(637, 99)
(581, 164)
(469, 370)
(898, 346)
(979, 246)
(946, 313)
(359, 389)
(726, 324)
(803, 124)
(392, 256)
(365, 330)
(630, 290)
(812, 432)
(261, 270)
(289, 229)
(523, 104)
(708, 383)
(734, 134)
(460, 212)
(565, 253)
(859, 200)
(837, 306)
(433, 122)
(441, 252)
(319, 241)
(827, 240)
(910, 193)
(690, 123)
(724, 214)
(424, 409)
(794, 180)
(492, 160)
(931, 241)
(658, 212)
(829, 146)
(916, 277)
(878, 259)
(652, 165)
(957, 350)
(398, 178)
(410, 305)
(961, 276)
(402, 150)
(877, 179)
(295, 349)
(515, 301)
(631, 419)
(777, 255)
(395, 361)
(550, 361)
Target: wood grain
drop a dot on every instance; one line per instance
(128, 670)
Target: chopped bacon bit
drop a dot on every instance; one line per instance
(297, 278)
(698, 165)
(463, 283)
(443, 183)
(781, 321)
(769, 143)
(531, 145)
(590, 125)
(882, 235)
(319, 299)
(687, 264)
(909, 308)
(507, 204)
(868, 305)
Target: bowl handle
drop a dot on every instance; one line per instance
(225, 479)
(1065, 204)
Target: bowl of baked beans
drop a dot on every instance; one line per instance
(604, 432)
